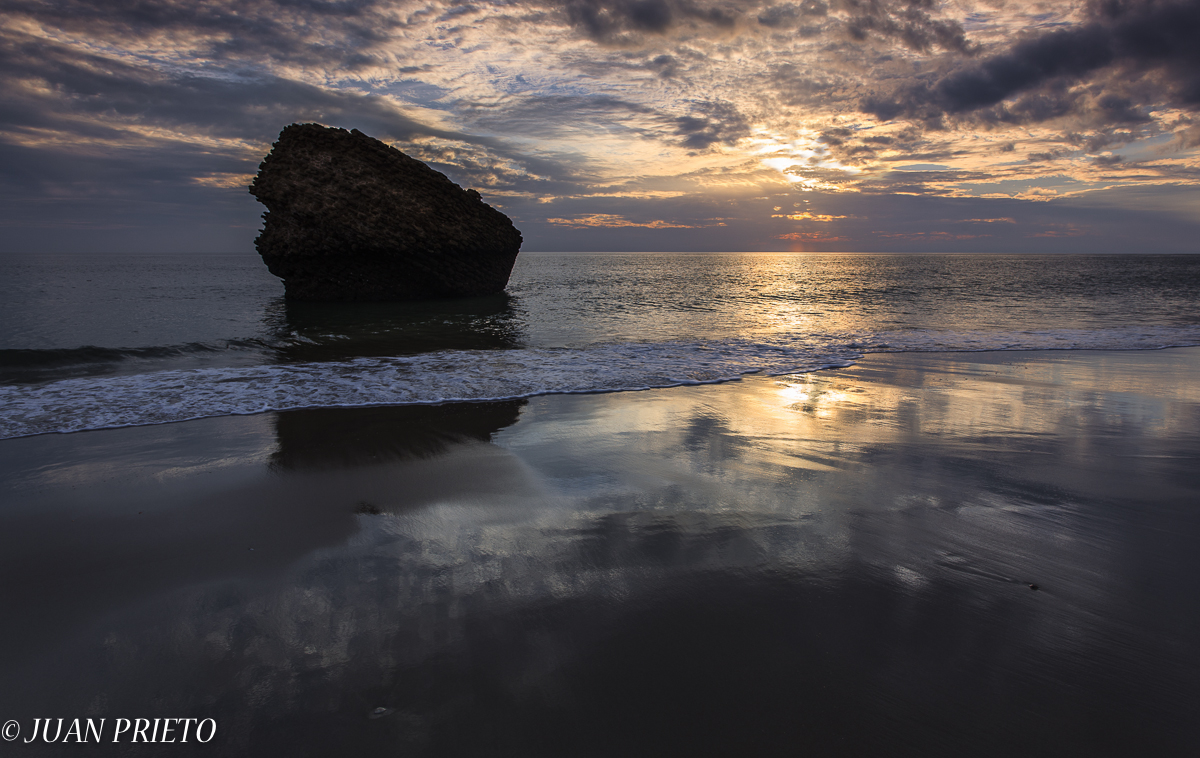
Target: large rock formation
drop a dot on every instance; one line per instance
(350, 218)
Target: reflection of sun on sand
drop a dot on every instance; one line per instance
(791, 553)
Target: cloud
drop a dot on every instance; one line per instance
(790, 15)
(1152, 41)
(70, 103)
(53, 85)
(711, 122)
(1061, 230)
(609, 119)
(1187, 138)
(810, 237)
(1039, 193)
(908, 21)
(807, 216)
(614, 221)
(310, 31)
(932, 236)
(625, 21)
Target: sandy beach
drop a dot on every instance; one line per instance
(832, 563)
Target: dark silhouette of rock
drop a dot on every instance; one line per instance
(351, 218)
(331, 438)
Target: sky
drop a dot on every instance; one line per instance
(621, 125)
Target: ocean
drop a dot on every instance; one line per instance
(103, 341)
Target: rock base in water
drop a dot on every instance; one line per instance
(351, 218)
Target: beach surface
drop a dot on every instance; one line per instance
(959, 554)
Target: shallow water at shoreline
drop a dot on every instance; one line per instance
(94, 342)
(835, 562)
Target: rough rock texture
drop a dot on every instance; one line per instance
(350, 218)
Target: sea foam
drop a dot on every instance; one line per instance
(79, 404)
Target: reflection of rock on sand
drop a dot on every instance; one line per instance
(330, 466)
(323, 438)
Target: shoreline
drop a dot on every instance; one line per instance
(841, 364)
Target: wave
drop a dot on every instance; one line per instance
(22, 365)
(78, 404)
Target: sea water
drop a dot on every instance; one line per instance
(101, 341)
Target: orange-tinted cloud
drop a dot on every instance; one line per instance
(810, 237)
(612, 221)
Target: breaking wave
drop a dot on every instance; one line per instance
(100, 402)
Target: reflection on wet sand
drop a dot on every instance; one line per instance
(836, 563)
(64, 564)
(321, 438)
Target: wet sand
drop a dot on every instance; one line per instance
(835, 563)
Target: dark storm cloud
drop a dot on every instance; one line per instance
(788, 15)
(1047, 156)
(1154, 42)
(216, 100)
(255, 107)
(304, 31)
(632, 21)
(616, 20)
(711, 122)
(1094, 143)
(847, 148)
(853, 148)
(907, 21)
(602, 19)
(797, 87)
(666, 66)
